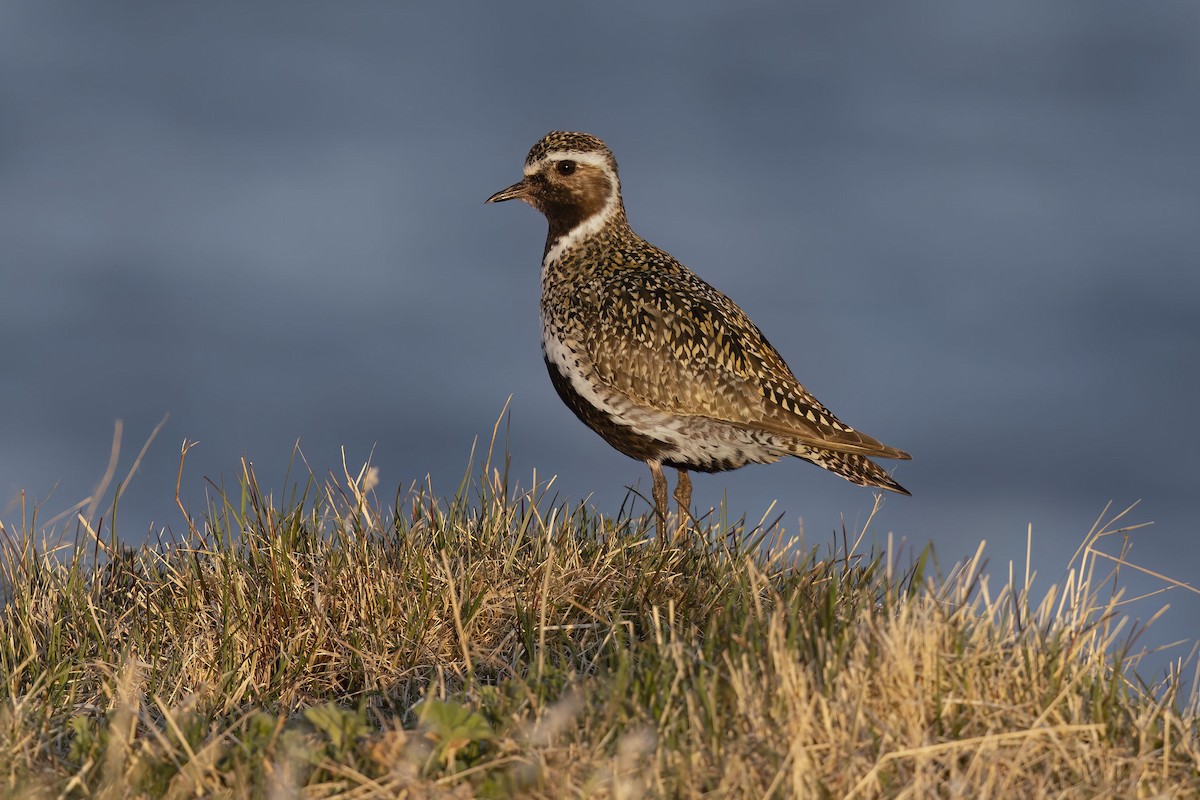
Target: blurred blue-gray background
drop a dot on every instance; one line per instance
(973, 229)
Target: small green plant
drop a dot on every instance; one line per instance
(342, 727)
(457, 733)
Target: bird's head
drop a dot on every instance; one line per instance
(571, 178)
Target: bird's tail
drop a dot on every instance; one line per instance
(854, 468)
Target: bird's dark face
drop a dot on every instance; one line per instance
(570, 178)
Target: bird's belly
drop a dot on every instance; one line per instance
(648, 434)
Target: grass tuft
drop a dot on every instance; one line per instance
(504, 642)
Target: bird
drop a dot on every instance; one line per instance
(663, 366)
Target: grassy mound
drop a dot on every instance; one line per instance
(503, 643)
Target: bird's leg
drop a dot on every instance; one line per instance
(683, 496)
(660, 497)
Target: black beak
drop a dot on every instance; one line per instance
(518, 191)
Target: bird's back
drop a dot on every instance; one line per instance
(658, 334)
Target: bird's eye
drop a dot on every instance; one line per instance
(566, 167)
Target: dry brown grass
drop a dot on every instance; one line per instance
(501, 643)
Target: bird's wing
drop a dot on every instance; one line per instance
(672, 342)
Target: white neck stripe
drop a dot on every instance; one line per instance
(583, 230)
(592, 224)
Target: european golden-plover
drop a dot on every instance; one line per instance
(664, 367)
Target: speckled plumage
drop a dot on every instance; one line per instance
(664, 367)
